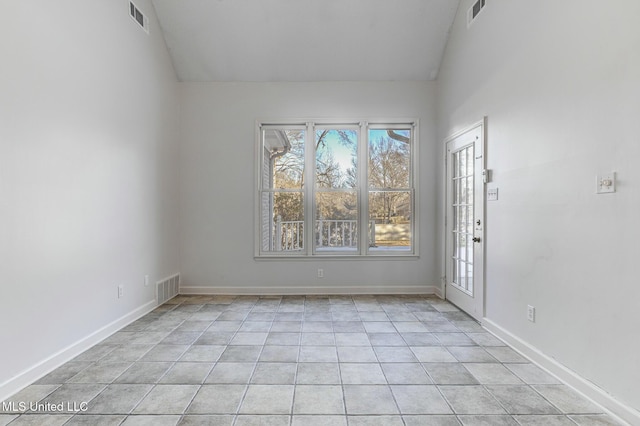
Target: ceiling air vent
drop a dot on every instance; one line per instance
(139, 17)
(474, 11)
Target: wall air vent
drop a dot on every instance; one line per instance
(474, 11)
(167, 288)
(139, 17)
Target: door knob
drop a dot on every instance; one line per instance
(476, 239)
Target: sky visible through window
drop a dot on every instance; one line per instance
(343, 152)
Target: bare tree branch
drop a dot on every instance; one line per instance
(400, 138)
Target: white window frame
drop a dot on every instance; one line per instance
(309, 191)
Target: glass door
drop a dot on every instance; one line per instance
(465, 221)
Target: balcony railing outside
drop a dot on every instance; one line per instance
(329, 233)
(289, 235)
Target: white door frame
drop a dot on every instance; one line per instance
(478, 309)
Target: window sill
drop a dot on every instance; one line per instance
(333, 256)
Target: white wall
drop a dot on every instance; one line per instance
(217, 185)
(560, 85)
(88, 125)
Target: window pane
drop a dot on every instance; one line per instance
(469, 189)
(390, 195)
(282, 221)
(390, 220)
(283, 159)
(462, 161)
(336, 226)
(282, 201)
(389, 158)
(336, 158)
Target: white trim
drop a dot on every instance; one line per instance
(308, 198)
(465, 129)
(310, 290)
(372, 256)
(362, 152)
(44, 367)
(587, 389)
(257, 181)
(415, 179)
(438, 292)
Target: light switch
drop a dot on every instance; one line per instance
(606, 183)
(492, 194)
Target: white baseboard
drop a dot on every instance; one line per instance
(438, 292)
(298, 291)
(584, 387)
(44, 367)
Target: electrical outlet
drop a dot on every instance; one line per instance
(320, 273)
(531, 313)
(146, 280)
(120, 291)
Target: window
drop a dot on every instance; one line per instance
(336, 189)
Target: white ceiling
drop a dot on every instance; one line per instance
(306, 40)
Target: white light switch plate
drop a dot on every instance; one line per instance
(606, 183)
(492, 194)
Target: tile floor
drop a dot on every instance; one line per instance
(301, 361)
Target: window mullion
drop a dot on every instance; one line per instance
(363, 193)
(309, 188)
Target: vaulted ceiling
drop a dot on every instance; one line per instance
(306, 40)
